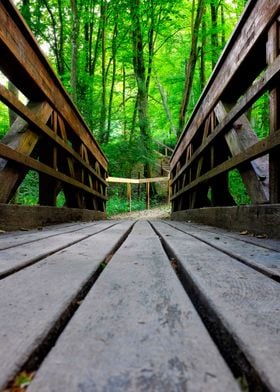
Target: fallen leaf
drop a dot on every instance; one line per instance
(22, 381)
(262, 236)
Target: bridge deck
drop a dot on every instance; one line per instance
(124, 306)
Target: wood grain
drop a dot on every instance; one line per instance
(247, 33)
(261, 259)
(31, 163)
(144, 335)
(244, 301)
(33, 300)
(17, 257)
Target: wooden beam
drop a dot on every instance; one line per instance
(254, 173)
(25, 65)
(273, 50)
(31, 163)
(22, 139)
(254, 24)
(255, 91)
(255, 151)
(36, 122)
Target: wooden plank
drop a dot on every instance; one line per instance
(8, 153)
(245, 302)
(34, 299)
(21, 138)
(17, 238)
(261, 259)
(273, 50)
(37, 122)
(13, 259)
(144, 335)
(259, 240)
(257, 219)
(259, 149)
(27, 68)
(253, 93)
(247, 34)
(15, 217)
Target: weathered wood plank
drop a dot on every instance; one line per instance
(13, 259)
(273, 50)
(17, 238)
(34, 299)
(263, 260)
(15, 217)
(144, 335)
(262, 240)
(245, 302)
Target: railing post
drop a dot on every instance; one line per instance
(273, 51)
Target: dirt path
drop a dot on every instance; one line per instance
(162, 212)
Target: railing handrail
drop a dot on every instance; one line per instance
(219, 136)
(221, 62)
(69, 157)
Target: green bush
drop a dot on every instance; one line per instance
(118, 205)
(237, 188)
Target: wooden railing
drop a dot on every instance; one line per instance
(219, 136)
(49, 135)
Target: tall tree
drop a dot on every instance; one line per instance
(197, 13)
(74, 52)
(140, 76)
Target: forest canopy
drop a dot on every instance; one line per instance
(134, 68)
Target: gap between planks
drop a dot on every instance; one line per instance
(14, 259)
(136, 330)
(239, 305)
(45, 305)
(262, 260)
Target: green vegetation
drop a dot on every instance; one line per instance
(135, 70)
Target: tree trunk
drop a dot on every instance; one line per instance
(190, 66)
(172, 128)
(214, 32)
(74, 53)
(140, 75)
(114, 62)
(103, 112)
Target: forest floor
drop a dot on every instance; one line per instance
(162, 212)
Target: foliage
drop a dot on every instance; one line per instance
(237, 188)
(117, 205)
(123, 62)
(4, 120)
(28, 191)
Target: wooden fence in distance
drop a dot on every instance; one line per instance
(147, 181)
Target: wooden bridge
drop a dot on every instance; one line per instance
(142, 306)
